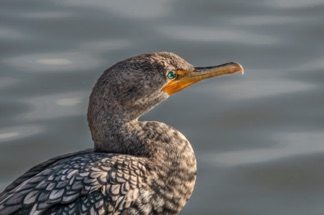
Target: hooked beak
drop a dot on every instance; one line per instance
(187, 78)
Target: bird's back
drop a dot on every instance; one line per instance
(85, 182)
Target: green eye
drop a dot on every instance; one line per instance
(171, 75)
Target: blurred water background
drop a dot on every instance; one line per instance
(258, 138)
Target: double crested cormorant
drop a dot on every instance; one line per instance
(136, 167)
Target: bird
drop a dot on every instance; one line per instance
(135, 167)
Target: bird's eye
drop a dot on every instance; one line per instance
(171, 75)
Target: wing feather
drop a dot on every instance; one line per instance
(79, 183)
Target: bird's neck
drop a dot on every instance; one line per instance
(120, 137)
(113, 133)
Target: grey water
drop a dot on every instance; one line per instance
(258, 138)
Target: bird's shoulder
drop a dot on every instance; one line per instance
(78, 183)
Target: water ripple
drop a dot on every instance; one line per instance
(56, 105)
(53, 62)
(18, 132)
(219, 34)
(143, 9)
(291, 4)
(291, 144)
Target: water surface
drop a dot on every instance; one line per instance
(258, 138)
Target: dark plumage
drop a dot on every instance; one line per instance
(135, 167)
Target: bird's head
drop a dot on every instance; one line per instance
(135, 85)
